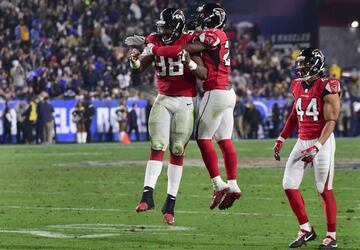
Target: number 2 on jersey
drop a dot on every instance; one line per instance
(226, 55)
(311, 110)
(175, 68)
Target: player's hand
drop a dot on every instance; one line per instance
(277, 149)
(134, 59)
(309, 154)
(134, 40)
(185, 57)
(134, 55)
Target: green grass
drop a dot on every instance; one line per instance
(77, 190)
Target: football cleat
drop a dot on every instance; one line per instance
(217, 197)
(302, 238)
(328, 242)
(143, 206)
(147, 201)
(168, 219)
(229, 200)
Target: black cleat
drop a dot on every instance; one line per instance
(147, 201)
(328, 243)
(168, 209)
(302, 238)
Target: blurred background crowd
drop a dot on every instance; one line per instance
(64, 50)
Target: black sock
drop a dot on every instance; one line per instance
(147, 196)
(169, 205)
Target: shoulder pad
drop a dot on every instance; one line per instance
(294, 83)
(151, 38)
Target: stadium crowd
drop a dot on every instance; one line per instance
(74, 50)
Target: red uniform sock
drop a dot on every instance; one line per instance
(297, 205)
(177, 160)
(209, 156)
(156, 155)
(329, 204)
(230, 158)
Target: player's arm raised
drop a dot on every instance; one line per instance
(195, 64)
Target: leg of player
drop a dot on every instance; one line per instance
(175, 170)
(208, 121)
(181, 129)
(324, 175)
(159, 127)
(223, 135)
(294, 173)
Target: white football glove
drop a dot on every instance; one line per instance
(135, 40)
(148, 50)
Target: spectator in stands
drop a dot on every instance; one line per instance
(7, 121)
(276, 119)
(48, 118)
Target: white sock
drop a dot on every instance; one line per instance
(331, 234)
(78, 137)
(306, 226)
(83, 137)
(174, 177)
(153, 170)
(234, 188)
(218, 183)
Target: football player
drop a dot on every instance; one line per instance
(215, 118)
(315, 112)
(172, 115)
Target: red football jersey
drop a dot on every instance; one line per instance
(173, 77)
(216, 58)
(309, 105)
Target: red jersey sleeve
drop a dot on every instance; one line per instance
(332, 87)
(209, 38)
(290, 125)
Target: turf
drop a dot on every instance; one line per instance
(83, 197)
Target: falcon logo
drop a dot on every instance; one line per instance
(334, 88)
(209, 39)
(178, 14)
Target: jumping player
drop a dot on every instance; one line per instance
(215, 118)
(172, 115)
(315, 112)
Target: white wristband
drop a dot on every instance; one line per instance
(282, 139)
(135, 64)
(192, 65)
(318, 145)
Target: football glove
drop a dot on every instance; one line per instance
(148, 50)
(277, 148)
(134, 59)
(310, 153)
(135, 40)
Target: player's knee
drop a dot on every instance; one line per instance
(289, 183)
(320, 187)
(177, 149)
(158, 145)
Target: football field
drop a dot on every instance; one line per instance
(83, 197)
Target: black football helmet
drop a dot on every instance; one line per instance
(310, 62)
(171, 24)
(211, 15)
